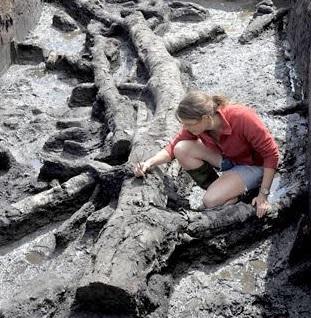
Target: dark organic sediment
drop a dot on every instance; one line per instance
(64, 22)
(17, 18)
(94, 93)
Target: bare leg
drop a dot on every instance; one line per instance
(224, 190)
(192, 153)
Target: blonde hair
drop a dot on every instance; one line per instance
(197, 103)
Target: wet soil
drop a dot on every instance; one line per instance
(256, 74)
(33, 100)
(251, 283)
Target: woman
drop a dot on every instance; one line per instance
(232, 139)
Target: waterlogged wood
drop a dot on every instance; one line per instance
(260, 23)
(139, 238)
(118, 110)
(126, 255)
(131, 247)
(85, 11)
(209, 222)
(164, 84)
(140, 234)
(59, 168)
(75, 225)
(73, 65)
(187, 11)
(228, 230)
(32, 212)
(55, 196)
(196, 34)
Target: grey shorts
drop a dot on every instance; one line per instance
(251, 175)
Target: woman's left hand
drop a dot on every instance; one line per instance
(262, 204)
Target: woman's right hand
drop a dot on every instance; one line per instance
(141, 168)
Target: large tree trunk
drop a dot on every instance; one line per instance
(137, 230)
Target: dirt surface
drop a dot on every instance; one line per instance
(61, 252)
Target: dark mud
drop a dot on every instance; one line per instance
(60, 123)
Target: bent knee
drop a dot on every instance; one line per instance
(210, 202)
(212, 199)
(183, 147)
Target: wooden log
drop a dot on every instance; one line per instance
(117, 281)
(256, 27)
(228, 230)
(118, 110)
(74, 226)
(199, 33)
(32, 212)
(164, 84)
(55, 196)
(28, 53)
(187, 12)
(85, 11)
(72, 65)
(126, 252)
(125, 256)
(96, 221)
(260, 23)
(63, 169)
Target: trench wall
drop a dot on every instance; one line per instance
(299, 33)
(17, 18)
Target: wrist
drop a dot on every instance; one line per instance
(149, 163)
(264, 191)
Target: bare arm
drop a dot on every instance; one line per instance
(261, 201)
(267, 179)
(159, 158)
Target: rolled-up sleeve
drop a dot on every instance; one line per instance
(183, 134)
(257, 134)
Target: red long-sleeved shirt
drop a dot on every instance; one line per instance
(244, 138)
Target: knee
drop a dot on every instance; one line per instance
(210, 200)
(182, 148)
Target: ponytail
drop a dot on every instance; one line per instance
(220, 101)
(197, 104)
